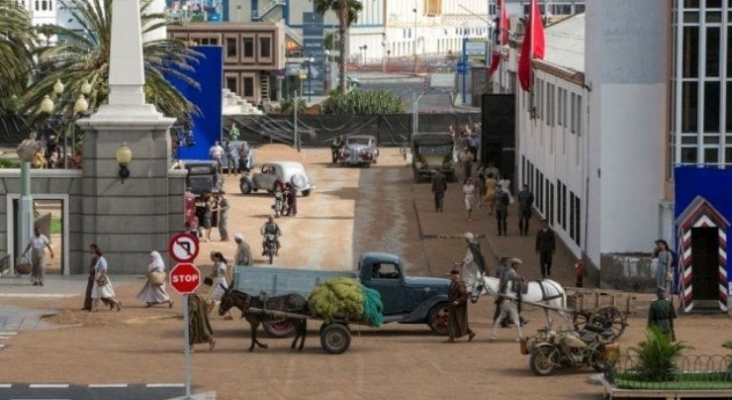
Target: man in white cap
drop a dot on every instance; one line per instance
(474, 267)
(243, 251)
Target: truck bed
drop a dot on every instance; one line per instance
(281, 281)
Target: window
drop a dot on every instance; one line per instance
(551, 204)
(560, 203)
(689, 106)
(572, 216)
(384, 271)
(247, 47)
(231, 52)
(712, 106)
(209, 41)
(577, 220)
(559, 107)
(265, 47)
(564, 107)
(248, 86)
(690, 51)
(523, 170)
(572, 116)
(578, 124)
(432, 7)
(232, 83)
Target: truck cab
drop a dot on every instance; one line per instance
(405, 299)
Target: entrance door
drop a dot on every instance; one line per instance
(49, 217)
(705, 266)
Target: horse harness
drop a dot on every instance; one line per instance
(544, 296)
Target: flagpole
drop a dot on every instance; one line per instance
(500, 48)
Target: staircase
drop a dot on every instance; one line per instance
(235, 105)
(258, 15)
(264, 88)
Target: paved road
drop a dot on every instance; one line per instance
(90, 392)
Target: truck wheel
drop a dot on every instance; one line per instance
(543, 359)
(437, 319)
(306, 193)
(279, 329)
(245, 187)
(335, 338)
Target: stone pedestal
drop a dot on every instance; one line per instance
(129, 219)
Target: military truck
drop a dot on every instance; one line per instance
(432, 151)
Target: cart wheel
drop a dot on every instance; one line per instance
(335, 338)
(580, 319)
(610, 318)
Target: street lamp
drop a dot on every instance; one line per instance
(78, 108)
(123, 157)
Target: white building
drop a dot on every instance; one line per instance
(591, 135)
(625, 93)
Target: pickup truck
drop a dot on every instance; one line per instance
(406, 300)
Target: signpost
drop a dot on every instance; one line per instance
(185, 278)
(313, 30)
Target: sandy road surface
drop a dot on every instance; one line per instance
(351, 211)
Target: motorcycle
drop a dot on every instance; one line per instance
(576, 349)
(280, 205)
(270, 246)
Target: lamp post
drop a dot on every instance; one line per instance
(464, 70)
(414, 49)
(123, 155)
(81, 106)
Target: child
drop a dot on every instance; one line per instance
(579, 272)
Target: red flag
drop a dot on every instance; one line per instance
(532, 47)
(502, 40)
(503, 27)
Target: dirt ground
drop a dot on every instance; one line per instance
(350, 211)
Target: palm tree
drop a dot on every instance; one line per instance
(83, 56)
(347, 13)
(16, 44)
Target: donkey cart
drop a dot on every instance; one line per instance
(335, 336)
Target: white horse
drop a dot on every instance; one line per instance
(546, 291)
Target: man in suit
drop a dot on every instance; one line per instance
(545, 247)
(502, 200)
(439, 187)
(526, 201)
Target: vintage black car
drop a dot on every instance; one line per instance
(202, 177)
(430, 152)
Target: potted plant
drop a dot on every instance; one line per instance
(657, 356)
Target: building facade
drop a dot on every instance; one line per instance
(253, 53)
(625, 139)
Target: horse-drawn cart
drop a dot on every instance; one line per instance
(608, 309)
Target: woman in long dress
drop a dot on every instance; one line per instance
(220, 279)
(469, 192)
(199, 327)
(150, 293)
(490, 193)
(102, 285)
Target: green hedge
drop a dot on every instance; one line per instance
(9, 163)
(372, 102)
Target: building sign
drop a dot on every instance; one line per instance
(476, 48)
(313, 48)
(292, 69)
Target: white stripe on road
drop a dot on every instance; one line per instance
(8, 333)
(39, 295)
(40, 399)
(49, 385)
(6, 385)
(164, 385)
(108, 385)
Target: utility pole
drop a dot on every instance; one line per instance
(464, 70)
(294, 123)
(414, 55)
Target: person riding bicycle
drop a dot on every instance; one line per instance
(270, 228)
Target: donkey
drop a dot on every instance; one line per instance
(292, 303)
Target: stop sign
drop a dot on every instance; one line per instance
(185, 278)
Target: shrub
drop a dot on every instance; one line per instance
(373, 102)
(9, 163)
(288, 105)
(657, 356)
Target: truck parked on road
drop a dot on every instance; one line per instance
(406, 299)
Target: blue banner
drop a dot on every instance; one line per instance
(209, 73)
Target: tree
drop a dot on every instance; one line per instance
(81, 56)
(347, 12)
(16, 44)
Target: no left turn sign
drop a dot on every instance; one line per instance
(183, 248)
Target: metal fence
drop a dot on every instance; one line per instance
(688, 372)
(321, 130)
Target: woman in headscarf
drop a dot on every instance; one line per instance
(102, 285)
(152, 294)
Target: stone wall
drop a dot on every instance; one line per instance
(129, 211)
(629, 272)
